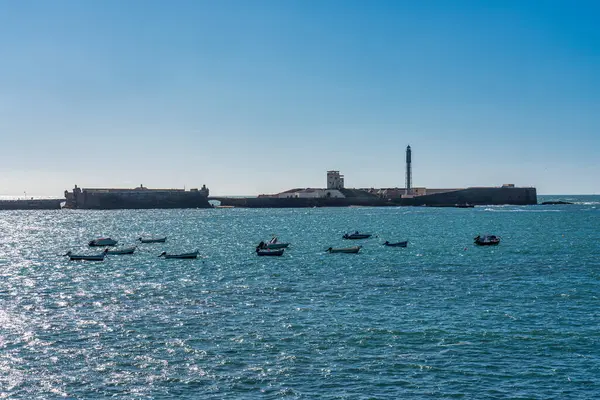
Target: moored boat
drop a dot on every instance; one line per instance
(153, 240)
(181, 256)
(102, 242)
(84, 257)
(356, 235)
(125, 250)
(273, 244)
(487, 240)
(397, 244)
(354, 249)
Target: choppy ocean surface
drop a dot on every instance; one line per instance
(439, 319)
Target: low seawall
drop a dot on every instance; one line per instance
(271, 202)
(37, 204)
(474, 196)
(478, 196)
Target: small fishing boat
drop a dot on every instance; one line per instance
(102, 242)
(268, 252)
(82, 257)
(153, 240)
(180, 256)
(354, 249)
(397, 244)
(125, 250)
(356, 235)
(273, 244)
(487, 240)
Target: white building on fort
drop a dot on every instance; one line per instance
(335, 180)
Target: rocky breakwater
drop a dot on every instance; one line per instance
(31, 204)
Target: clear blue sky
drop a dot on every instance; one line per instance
(253, 97)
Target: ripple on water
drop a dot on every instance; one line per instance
(440, 318)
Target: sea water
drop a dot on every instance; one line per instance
(441, 318)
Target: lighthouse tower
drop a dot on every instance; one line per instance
(408, 171)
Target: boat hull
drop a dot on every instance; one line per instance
(487, 243)
(119, 252)
(398, 244)
(185, 256)
(86, 258)
(264, 252)
(158, 240)
(348, 250)
(356, 236)
(102, 242)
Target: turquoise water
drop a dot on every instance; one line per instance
(439, 319)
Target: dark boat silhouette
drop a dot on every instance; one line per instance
(487, 240)
(180, 256)
(356, 235)
(397, 244)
